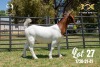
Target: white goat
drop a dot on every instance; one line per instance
(47, 35)
(41, 34)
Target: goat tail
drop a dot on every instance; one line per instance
(27, 21)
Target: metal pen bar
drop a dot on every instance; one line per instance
(99, 27)
(10, 35)
(67, 44)
(83, 32)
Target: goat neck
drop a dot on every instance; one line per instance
(63, 24)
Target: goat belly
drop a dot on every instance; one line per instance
(43, 40)
(45, 37)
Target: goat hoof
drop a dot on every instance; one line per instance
(23, 56)
(35, 58)
(60, 56)
(50, 58)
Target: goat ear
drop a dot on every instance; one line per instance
(72, 18)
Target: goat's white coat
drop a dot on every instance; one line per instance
(41, 34)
